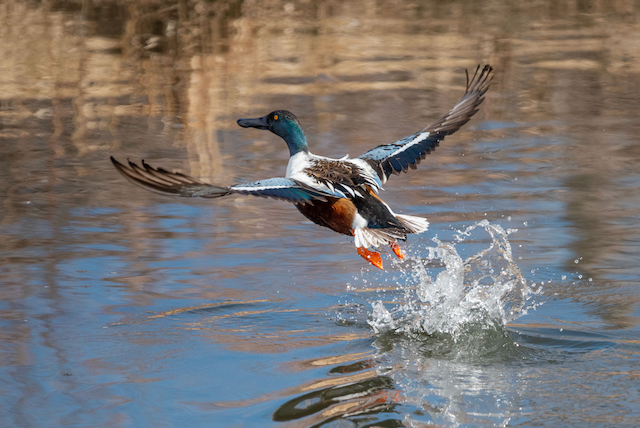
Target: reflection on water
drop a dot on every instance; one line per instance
(122, 308)
(355, 398)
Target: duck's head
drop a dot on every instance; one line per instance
(284, 124)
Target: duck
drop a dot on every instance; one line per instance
(339, 194)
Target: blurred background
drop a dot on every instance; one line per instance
(119, 307)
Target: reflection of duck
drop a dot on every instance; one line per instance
(370, 396)
(340, 194)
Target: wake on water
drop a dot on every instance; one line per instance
(486, 290)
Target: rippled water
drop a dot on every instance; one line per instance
(123, 308)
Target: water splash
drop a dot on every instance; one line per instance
(486, 290)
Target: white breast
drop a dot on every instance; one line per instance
(297, 163)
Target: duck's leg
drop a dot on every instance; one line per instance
(396, 250)
(371, 256)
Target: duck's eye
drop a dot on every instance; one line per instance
(275, 117)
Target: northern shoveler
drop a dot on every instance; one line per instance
(341, 194)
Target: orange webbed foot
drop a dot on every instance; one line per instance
(371, 256)
(396, 250)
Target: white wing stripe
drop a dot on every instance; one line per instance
(420, 138)
(254, 188)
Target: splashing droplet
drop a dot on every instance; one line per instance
(485, 290)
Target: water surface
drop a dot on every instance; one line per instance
(123, 308)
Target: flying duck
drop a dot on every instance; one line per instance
(341, 194)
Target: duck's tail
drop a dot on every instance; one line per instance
(412, 223)
(365, 237)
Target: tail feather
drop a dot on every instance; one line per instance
(412, 223)
(365, 237)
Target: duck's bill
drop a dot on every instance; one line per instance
(260, 123)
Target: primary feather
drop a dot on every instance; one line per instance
(409, 151)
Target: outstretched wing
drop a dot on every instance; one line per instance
(162, 181)
(409, 151)
(281, 188)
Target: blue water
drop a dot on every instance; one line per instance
(123, 308)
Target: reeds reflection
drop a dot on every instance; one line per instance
(92, 269)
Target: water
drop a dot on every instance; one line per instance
(485, 291)
(119, 307)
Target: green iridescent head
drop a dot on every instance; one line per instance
(284, 124)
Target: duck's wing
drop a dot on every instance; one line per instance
(286, 189)
(164, 182)
(341, 178)
(409, 151)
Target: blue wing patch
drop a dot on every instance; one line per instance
(402, 154)
(281, 188)
(382, 152)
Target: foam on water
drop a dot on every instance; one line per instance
(445, 294)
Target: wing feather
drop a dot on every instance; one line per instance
(167, 183)
(164, 182)
(406, 153)
(281, 188)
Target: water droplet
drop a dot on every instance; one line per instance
(448, 302)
